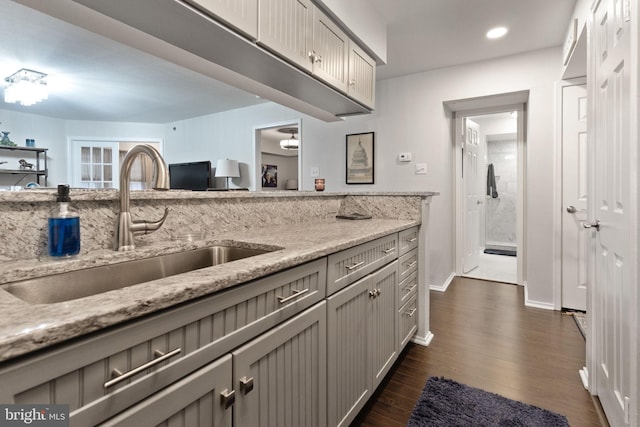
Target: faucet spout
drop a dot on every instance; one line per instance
(127, 228)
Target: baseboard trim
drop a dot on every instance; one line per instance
(536, 304)
(445, 285)
(584, 376)
(423, 341)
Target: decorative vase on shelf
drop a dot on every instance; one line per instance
(6, 141)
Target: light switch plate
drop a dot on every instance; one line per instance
(421, 168)
(315, 172)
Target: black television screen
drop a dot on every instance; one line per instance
(190, 176)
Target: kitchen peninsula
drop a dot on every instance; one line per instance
(303, 240)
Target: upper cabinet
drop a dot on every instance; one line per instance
(240, 14)
(330, 53)
(362, 76)
(286, 28)
(301, 33)
(289, 51)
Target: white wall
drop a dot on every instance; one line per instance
(410, 117)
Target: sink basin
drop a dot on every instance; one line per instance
(96, 280)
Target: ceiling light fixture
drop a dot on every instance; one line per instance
(291, 143)
(497, 32)
(25, 87)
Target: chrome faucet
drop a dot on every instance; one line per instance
(127, 228)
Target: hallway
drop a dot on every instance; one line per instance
(486, 338)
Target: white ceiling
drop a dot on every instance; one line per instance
(93, 78)
(429, 34)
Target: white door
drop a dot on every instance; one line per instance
(613, 202)
(574, 197)
(95, 164)
(473, 196)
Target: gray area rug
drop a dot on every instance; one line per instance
(445, 402)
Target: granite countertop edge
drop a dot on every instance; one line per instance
(25, 328)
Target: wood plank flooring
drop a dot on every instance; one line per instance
(485, 337)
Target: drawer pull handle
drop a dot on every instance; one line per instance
(227, 398)
(354, 266)
(411, 312)
(390, 250)
(411, 240)
(411, 264)
(120, 376)
(246, 385)
(296, 293)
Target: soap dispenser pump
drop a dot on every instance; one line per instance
(64, 227)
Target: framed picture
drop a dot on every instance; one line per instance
(269, 176)
(360, 158)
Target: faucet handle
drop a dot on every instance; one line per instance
(140, 227)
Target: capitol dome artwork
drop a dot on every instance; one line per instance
(360, 158)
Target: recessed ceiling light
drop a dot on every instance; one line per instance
(497, 32)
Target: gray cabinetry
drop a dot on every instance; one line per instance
(239, 14)
(362, 344)
(351, 264)
(199, 399)
(408, 240)
(362, 76)
(280, 377)
(330, 53)
(80, 374)
(286, 28)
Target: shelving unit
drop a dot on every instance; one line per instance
(37, 171)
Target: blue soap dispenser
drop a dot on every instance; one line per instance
(64, 227)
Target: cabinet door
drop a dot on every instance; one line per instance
(286, 29)
(349, 379)
(384, 345)
(330, 51)
(362, 76)
(240, 14)
(281, 376)
(196, 400)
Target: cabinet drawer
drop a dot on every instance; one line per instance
(352, 264)
(408, 240)
(407, 321)
(407, 288)
(408, 264)
(197, 332)
(194, 400)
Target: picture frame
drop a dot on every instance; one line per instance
(360, 160)
(269, 176)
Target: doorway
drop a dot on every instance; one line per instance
(472, 200)
(278, 156)
(494, 226)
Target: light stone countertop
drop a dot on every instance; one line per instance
(27, 327)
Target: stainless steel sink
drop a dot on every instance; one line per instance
(96, 280)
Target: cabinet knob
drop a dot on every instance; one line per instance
(246, 385)
(227, 398)
(352, 82)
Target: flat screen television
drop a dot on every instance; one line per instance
(190, 176)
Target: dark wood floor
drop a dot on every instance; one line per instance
(485, 337)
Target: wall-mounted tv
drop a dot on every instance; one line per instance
(190, 176)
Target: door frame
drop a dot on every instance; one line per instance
(557, 197)
(459, 200)
(257, 151)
